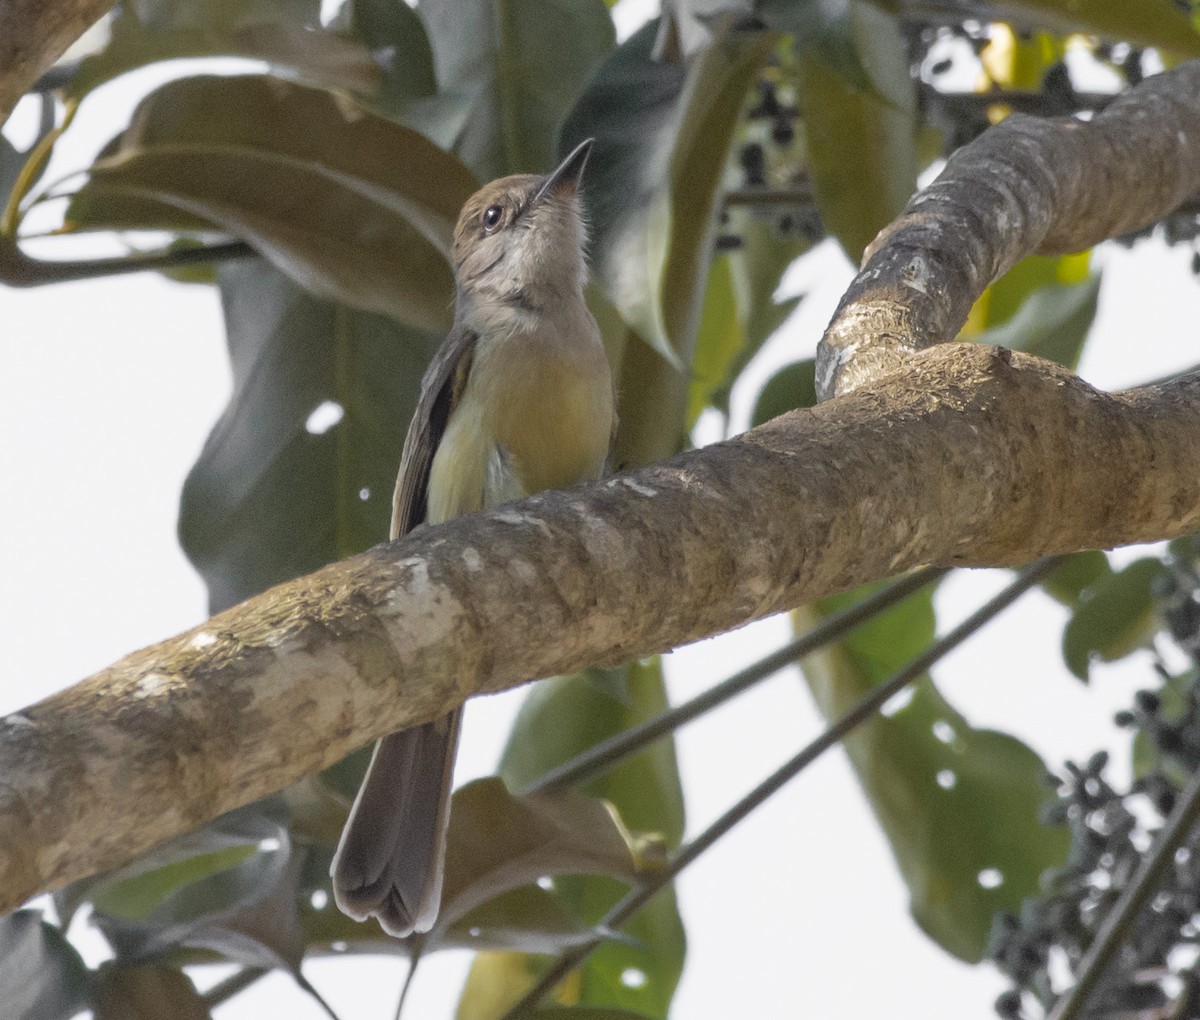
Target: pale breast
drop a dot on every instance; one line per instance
(537, 413)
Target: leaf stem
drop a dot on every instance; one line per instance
(18, 270)
(865, 708)
(237, 982)
(603, 756)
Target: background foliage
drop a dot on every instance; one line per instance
(318, 192)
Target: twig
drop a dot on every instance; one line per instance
(237, 982)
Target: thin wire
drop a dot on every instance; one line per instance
(863, 710)
(606, 754)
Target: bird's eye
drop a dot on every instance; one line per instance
(492, 217)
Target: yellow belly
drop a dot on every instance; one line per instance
(533, 416)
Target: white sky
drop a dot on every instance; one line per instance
(107, 390)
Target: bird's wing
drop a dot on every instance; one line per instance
(441, 390)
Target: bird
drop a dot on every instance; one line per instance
(519, 398)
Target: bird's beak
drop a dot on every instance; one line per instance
(566, 177)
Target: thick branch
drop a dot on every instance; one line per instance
(973, 456)
(1026, 185)
(34, 34)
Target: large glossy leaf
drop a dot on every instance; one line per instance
(1113, 616)
(149, 992)
(719, 342)
(164, 15)
(293, 51)
(527, 61)
(498, 842)
(246, 910)
(1052, 322)
(663, 133)
(352, 206)
(300, 467)
(824, 29)
(1075, 575)
(861, 137)
(757, 268)
(560, 718)
(792, 387)
(960, 806)
(42, 977)
(395, 34)
(1150, 22)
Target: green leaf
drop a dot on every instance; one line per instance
(352, 206)
(319, 58)
(757, 268)
(584, 1013)
(146, 993)
(720, 340)
(527, 60)
(42, 975)
(1075, 575)
(1003, 299)
(269, 472)
(861, 139)
(793, 386)
(526, 920)
(395, 33)
(823, 29)
(248, 913)
(663, 136)
(1113, 617)
(164, 15)
(1052, 322)
(560, 718)
(498, 842)
(1158, 23)
(960, 806)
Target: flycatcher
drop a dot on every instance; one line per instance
(518, 399)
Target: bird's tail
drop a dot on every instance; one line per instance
(390, 859)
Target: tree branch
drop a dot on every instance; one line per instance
(34, 34)
(941, 465)
(970, 456)
(1025, 185)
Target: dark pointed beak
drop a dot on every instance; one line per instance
(566, 177)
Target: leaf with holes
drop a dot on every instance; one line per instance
(561, 718)
(959, 806)
(498, 842)
(353, 207)
(299, 469)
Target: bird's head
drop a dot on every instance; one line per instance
(520, 239)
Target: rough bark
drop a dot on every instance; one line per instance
(968, 456)
(34, 34)
(1025, 185)
(973, 456)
